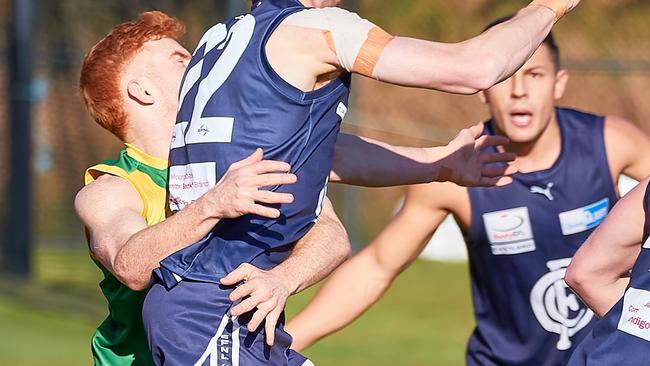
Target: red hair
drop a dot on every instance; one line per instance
(103, 66)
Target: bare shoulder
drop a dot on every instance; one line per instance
(108, 193)
(620, 130)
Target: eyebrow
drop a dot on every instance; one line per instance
(183, 55)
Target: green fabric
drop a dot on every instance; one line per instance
(120, 340)
(129, 164)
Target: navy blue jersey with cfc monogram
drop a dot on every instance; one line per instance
(622, 336)
(521, 239)
(232, 102)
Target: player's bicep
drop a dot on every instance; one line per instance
(110, 210)
(433, 65)
(355, 43)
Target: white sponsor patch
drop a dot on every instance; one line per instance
(635, 317)
(209, 130)
(189, 182)
(509, 231)
(178, 136)
(584, 218)
(341, 110)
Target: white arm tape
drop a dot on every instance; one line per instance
(348, 30)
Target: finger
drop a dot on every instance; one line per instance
(272, 197)
(264, 211)
(257, 318)
(497, 157)
(490, 140)
(242, 291)
(270, 166)
(494, 170)
(251, 159)
(241, 273)
(274, 179)
(504, 181)
(271, 322)
(489, 182)
(245, 306)
(477, 130)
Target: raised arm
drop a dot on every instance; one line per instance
(333, 39)
(599, 271)
(315, 256)
(366, 162)
(123, 243)
(363, 279)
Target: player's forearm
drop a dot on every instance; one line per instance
(601, 298)
(366, 162)
(317, 254)
(143, 251)
(504, 48)
(347, 294)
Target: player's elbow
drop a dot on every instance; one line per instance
(480, 69)
(576, 278)
(130, 277)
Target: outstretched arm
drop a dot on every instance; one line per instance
(333, 39)
(366, 162)
(599, 271)
(315, 256)
(362, 280)
(123, 243)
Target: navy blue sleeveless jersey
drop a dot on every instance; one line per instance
(622, 336)
(232, 102)
(521, 239)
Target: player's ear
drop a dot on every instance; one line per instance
(561, 79)
(482, 97)
(138, 92)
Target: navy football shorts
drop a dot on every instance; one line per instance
(189, 325)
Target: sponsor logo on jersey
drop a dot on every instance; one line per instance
(556, 308)
(341, 110)
(543, 191)
(189, 182)
(635, 317)
(509, 231)
(584, 218)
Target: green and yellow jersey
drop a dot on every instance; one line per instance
(120, 340)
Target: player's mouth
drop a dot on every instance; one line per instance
(521, 117)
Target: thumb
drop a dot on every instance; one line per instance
(242, 273)
(250, 159)
(477, 130)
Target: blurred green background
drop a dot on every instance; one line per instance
(425, 319)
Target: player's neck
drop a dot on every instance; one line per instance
(153, 140)
(541, 153)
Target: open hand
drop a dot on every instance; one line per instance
(238, 192)
(266, 291)
(467, 165)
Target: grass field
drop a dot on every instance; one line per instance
(424, 319)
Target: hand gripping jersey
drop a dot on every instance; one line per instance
(521, 239)
(120, 340)
(622, 336)
(231, 103)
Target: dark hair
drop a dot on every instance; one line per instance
(548, 41)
